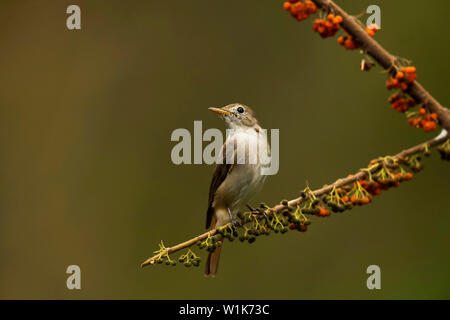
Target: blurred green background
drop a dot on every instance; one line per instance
(86, 176)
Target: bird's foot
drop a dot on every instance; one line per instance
(234, 222)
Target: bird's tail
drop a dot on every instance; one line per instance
(212, 262)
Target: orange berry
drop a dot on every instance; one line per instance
(434, 116)
(422, 111)
(389, 83)
(363, 184)
(296, 8)
(429, 126)
(341, 40)
(287, 6)
(310, 6)
(370, 32)
(408, 176)
(349, 44)
(323, 212)
(399, 75)
(411, 77)
(337, 19)
(302, 16)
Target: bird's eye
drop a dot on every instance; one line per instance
(240, 110)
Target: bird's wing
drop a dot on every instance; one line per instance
(220, 173)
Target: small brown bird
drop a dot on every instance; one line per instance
(233, 184)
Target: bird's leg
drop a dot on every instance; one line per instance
(234, 222)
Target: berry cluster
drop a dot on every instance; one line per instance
(338, 199)
(400, 102)
(323, 212)
(300, 10)
(260, 223)
(210, 243)
(348, 42)
(384, 173)
(289, 218)
(296, 215)
(312, 205)
(426, 121)
(189, 259)
(164, 256)
(384, 181)
(327, 28)
(402, 78)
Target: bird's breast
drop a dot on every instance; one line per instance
(245, 178)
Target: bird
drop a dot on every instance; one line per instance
(234, 182)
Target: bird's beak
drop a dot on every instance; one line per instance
(220, 111)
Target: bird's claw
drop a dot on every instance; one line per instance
(234, 222)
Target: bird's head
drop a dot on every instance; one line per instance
(237, 115)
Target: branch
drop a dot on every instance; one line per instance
(362, 173)
(386, 60)
(379, 167)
